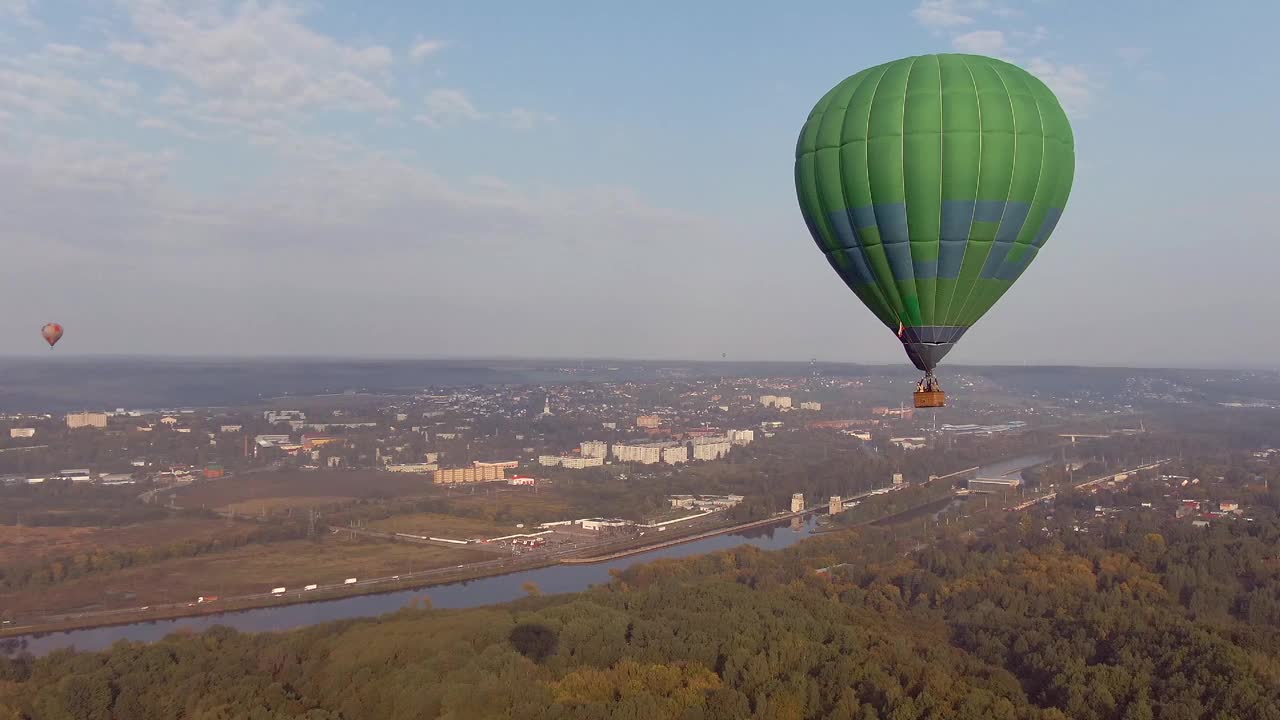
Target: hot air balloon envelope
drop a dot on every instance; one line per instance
(931, 183)
(52, 333)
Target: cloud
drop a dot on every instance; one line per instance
(450, 106)
(1072, 84)
(1134, 56)
(525, 119)
(50, 93)
(20, 11)
(423, 49)
(446, 106)
(259, 61)
(942, 14)
(980, 42)
(1035, 36)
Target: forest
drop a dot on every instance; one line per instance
(1152, 618)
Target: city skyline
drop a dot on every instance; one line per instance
(272, 179)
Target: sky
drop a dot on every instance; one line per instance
(597, 179)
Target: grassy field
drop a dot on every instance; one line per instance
(250, 569)
(272, 505)
(30, 543)
(449, 526)
(516, 505)
(294, 485)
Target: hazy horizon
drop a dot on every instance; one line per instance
(280, 179)
(891, 364)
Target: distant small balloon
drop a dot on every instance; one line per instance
(52, 333)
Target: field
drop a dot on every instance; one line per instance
(245, 570)
(30, 543)
(510, 506)
(448, 526)
(293, 485)
(281, 504)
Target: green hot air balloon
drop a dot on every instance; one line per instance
(930, 183)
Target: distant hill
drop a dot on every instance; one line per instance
(61, 384)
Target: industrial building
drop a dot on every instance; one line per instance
(705, 503)
(604, 523)
(910, 443)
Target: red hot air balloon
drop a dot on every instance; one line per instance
(52, 333)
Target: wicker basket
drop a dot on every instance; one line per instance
(930, 399)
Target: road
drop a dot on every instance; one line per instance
(526, 559)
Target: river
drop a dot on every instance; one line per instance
(466, 594)
(471, 593)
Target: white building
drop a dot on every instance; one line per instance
(571, 462)
(768, 400)
(676, 454)
(711, 448)
(810, 406)
(594, 449)
(643, 453)
(909, 443)
(413, 468)
(797, 502)
(22, 432)
(741, 437)
(230, 428)
(602, 523)
(86, 419)
(784, 402)
(275, 416)
(681, 501)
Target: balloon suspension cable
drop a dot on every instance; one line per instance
(928, 383)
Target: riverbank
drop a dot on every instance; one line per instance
(686, 539)
(554, 579)
(414, 582)
(373, 586)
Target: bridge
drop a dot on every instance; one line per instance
(1073, 436)
(1117, 477)
(955, 474)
